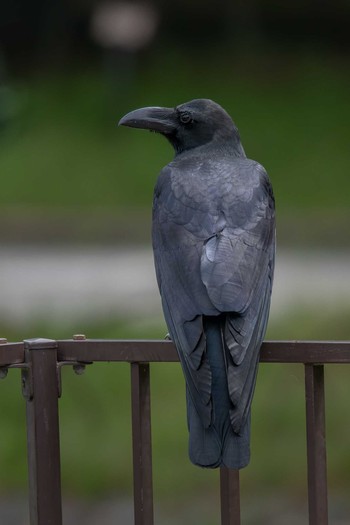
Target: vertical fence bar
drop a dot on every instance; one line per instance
(142, 445)
(230, 497)
(40, 388)
(316, 445)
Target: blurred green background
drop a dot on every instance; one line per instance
(71, 179)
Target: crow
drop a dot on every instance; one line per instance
(213, 237)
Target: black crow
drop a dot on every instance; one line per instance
(214, 249)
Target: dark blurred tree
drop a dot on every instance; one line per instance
(39, 31)
(56, 31)
(196, 22)
(320, 23)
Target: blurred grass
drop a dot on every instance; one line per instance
(96, 431)
(63, 150)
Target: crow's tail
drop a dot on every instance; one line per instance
(218, 445)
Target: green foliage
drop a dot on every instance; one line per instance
(63, 149)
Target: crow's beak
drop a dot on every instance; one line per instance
(157, 119)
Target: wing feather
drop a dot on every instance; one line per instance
(213, 240)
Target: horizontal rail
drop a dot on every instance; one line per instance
(142, 351)
(307, 352)
(11, 353)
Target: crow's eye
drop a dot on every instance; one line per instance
(185, 117)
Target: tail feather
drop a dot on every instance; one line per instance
(210, 449)
(218, 444)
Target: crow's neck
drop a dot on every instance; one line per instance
(231, 147)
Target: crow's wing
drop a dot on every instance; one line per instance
(213, 240)
(237, 269)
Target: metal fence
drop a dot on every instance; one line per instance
(41, 361)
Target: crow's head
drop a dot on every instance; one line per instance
(196, 123)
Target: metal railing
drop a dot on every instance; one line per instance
(41, 361)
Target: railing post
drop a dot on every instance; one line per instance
(316, 445)
(142, 445)
(40, 388)
(230, 498)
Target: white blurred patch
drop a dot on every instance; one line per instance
(124, 25)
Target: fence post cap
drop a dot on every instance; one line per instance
(40, 343)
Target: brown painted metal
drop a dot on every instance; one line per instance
(111, 350)
(230, 497)
(316, 445)
(40, 389)
(11, 353)
(310, 352)
(142, 443)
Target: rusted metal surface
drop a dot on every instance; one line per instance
(230, 497)
(41, 392)
(316, 445)
(142, 445)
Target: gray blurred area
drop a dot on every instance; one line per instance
(70, 284)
